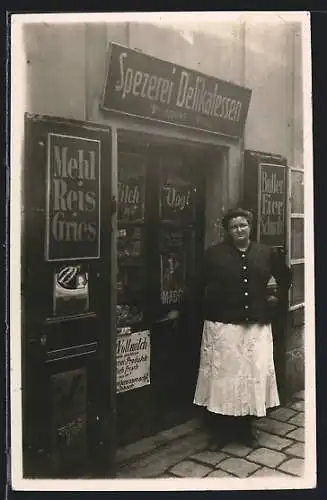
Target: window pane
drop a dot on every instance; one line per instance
(131, 275)
(131, 179)
(297, 289)
(178, 192)
(297, 192)
(130, 243)
(176, 263)
(297, 238)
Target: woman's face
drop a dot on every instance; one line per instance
(239, 230)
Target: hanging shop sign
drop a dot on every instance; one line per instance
(144, 86)
(133, 360)
(73, 198)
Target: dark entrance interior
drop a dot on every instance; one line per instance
(161, 207)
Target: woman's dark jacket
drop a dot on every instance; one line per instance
(235, 283)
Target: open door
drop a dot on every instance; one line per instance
(67, 347)
(160, 241)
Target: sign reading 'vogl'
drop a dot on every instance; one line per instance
(147, 87)
(73, 201)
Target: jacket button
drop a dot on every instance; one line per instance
(246, 307)
(244, 267)
(246, 294)
(245, 280)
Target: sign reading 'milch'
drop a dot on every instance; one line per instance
(73, 198)
(147, 87)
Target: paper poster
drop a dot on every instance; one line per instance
(172, 278)
(133, 361)
(71, 291)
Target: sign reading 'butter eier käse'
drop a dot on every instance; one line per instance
(141, 85)
(73, 198)
(272, 204)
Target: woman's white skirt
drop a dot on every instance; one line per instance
(237, 374)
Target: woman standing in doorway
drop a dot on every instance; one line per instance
(236, 378)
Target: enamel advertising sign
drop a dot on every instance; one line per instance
(73, 198)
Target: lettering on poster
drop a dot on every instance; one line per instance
(133, 361)
(272, 203)
(73, 197)
(172, 278)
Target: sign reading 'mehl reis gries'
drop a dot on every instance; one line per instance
(147, 87)
(73, 198)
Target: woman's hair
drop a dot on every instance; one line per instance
(236, 212)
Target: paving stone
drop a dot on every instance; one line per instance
(238, 466)
(189, 468)
(210, 457)
(299, 395)
(151, 443)
(267, 472)
(297, 434)
(297, 405)
(264, 456)
(273, 441)
(297, 419)
(283, 414)
(220, 473)
(273, 426)
(239, 450)
(293, 466)
(158, 462)
(296, 449)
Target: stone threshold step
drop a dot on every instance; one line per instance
(133, 451)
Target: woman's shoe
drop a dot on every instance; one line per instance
(247, 435)
(250, 441)
(249, 438)
(216, 443)
(220, 431)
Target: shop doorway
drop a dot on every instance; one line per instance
(161, 226)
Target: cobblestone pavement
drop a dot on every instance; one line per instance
(280, 452)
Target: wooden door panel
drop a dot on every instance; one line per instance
(66, 287)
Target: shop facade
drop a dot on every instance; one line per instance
(132, 156)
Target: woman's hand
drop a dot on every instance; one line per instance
(272, 300)
(173, 314)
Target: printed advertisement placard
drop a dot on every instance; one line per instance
(133, 361)
(71, 289)
(73, 198)
(173, 273)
